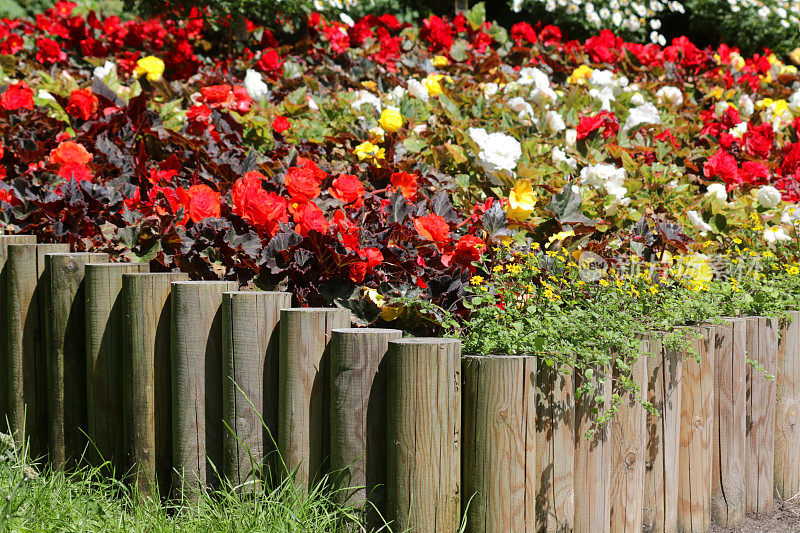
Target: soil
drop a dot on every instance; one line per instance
(784, 517)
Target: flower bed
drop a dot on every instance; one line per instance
(377, 165)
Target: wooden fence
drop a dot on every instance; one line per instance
(171, 381)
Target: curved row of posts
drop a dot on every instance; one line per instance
(171, 382)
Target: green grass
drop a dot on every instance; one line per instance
(87, 500)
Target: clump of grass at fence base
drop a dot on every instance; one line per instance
(540, 299)
(88, 500)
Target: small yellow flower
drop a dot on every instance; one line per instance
(150, 65)
(367, 150)
(794, 55)
(440, 61)
(521, 201)
(476, 280)
(431, 83)
(580, 75)
(391, 119)
(371, 85)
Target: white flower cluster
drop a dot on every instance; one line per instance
(499, 153)
(787, 12)
(610, 179)
(633, 16)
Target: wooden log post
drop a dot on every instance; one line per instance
(358, 416)
(424, 442)
(196, 370)
(250, 384)
(105, 323)
(787, 409)
(66, 355)
(762, 347)
(728, 437)
(499, 463)
(592, 461)
(697, 423)
(146, 383)
(629, 452)
(26, 314)
(303, 395)
(555, 440)
(5, 369)
(663, 431)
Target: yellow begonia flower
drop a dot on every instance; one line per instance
(794, 55)
(737, 62)
(766, 102)
(390, 313)
(580, 75)
(432, 85)
(371, 85)
(695, 267)
(367, 150)
(391, 119)
(374, 296)
(150, 65)
(376, 134)
(521, 201)
(788, 69)
(717, 93)
(440, 61)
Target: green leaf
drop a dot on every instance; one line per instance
(566, 207)
(458, 51)
(477, 15)
(415, 144)
(450, 107)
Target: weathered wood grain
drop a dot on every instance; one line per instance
(146, 382)
(697, 424)
(303, 397)
(762, 347)
(26, 309)
(66, 355)
(787, 409)
(105, 325)
(555, 441)
(5, 371)
(629, 451)
(665, 370)
(592, 462)
(730, 408)
(196, 371)
(499, 463)
(424, 441)
(250, 384)
(358, 416)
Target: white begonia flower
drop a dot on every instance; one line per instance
(559, 156)
(603, 176)
(637, 99)
(571, 137)
(44, 95)
(794, 102)
(396, 94)
(746, 106)
(554, 122)
(498, 152)
(312, 104)
(697, 221)
(366, 97)
(103, 72)
(533, 76)
(738, 130)
(644, 114)
(768, 196)
(718, 190)
(490, 89)
(417, 90)
(255, 85)
(669, 96)
(344, 17)
(791, 214)
(776, 234)
(720, 108)
(520, 106)
(511, 87)
(422, 128)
